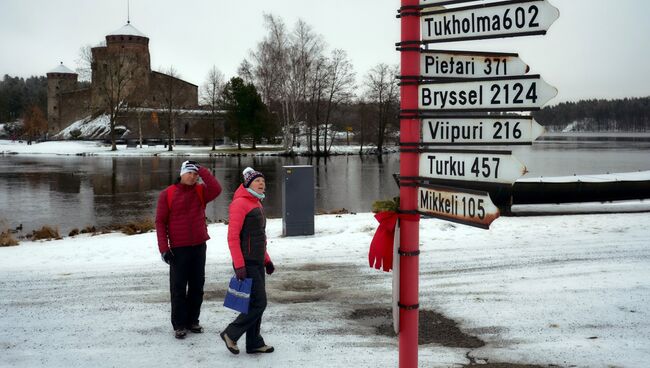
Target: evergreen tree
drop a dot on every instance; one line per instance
(247, 115)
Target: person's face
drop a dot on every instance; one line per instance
(189, 178)
(258, 185)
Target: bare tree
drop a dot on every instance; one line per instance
(317, 81)
(211, 96)
(34, 123)
(169, 95)
(114, 87)
(383, 92)
(340, 87)
(84, 63)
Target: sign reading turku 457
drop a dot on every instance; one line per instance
(484, 166)
(501, 19)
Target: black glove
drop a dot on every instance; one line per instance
(167, 256)
(269, 268)
(240, 273)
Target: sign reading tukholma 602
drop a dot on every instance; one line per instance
(501, 19)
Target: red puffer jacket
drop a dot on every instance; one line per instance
(183, 224)
(247, 230)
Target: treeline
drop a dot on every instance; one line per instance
(629, 114)
(18, 96)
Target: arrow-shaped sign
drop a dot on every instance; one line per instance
(470, 64)
(430, 3)
(475, 130)
(502, 19)
(485, 166)
(493, 94)
(458, 205)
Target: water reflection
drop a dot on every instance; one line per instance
(73, 192)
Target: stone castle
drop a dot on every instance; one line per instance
(122, 68)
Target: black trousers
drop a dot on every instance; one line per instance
(250, 323)
(186, 280)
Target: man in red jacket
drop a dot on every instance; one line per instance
(182, 233)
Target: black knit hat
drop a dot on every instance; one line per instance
(249, 175)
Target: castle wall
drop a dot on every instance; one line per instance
(195, 125)
(185, 94)
(75, 105)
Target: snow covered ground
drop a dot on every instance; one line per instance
(91, 148)
(564, 290)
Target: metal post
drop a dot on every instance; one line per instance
(410, 232)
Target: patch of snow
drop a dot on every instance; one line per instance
(97, 128)
(595, 178)
(561, 290)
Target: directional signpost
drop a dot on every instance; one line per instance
(441, 92)
(494, 20)
(490, 94)
(480, 130)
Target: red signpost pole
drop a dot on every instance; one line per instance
(409, 230)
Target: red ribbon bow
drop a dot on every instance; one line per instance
(381, 247)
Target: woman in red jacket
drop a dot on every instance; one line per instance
(247, 243)
(182, 233)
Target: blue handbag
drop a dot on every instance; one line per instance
(238, 296)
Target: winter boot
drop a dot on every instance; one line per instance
(231, 345)
(261, 349)
(180, 333)
(196, 328)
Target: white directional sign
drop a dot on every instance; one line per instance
(442, 2)
(493, 130)
(467, 207)
(494, 94)
(469, 64)
(484, 166)
(501, 19)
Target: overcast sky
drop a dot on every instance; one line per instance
(596, 49)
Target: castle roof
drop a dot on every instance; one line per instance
(127, 30)
(62, 69)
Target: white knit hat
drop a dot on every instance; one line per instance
(189, 167)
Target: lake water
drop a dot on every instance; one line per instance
(73, 192)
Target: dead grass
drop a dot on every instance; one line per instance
(138, 227)
(7, 240)
(45, 233)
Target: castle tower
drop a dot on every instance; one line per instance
(125, 57)
(59, 80)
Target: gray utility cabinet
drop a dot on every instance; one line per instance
(298, 200)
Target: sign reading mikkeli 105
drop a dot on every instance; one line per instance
(461, 165)
(477, 130)
(501, 19)
(464, 206)
(523, 93)
(470, 64)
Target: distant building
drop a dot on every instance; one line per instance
(124, 60)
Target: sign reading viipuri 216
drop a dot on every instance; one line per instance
(502, 19)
